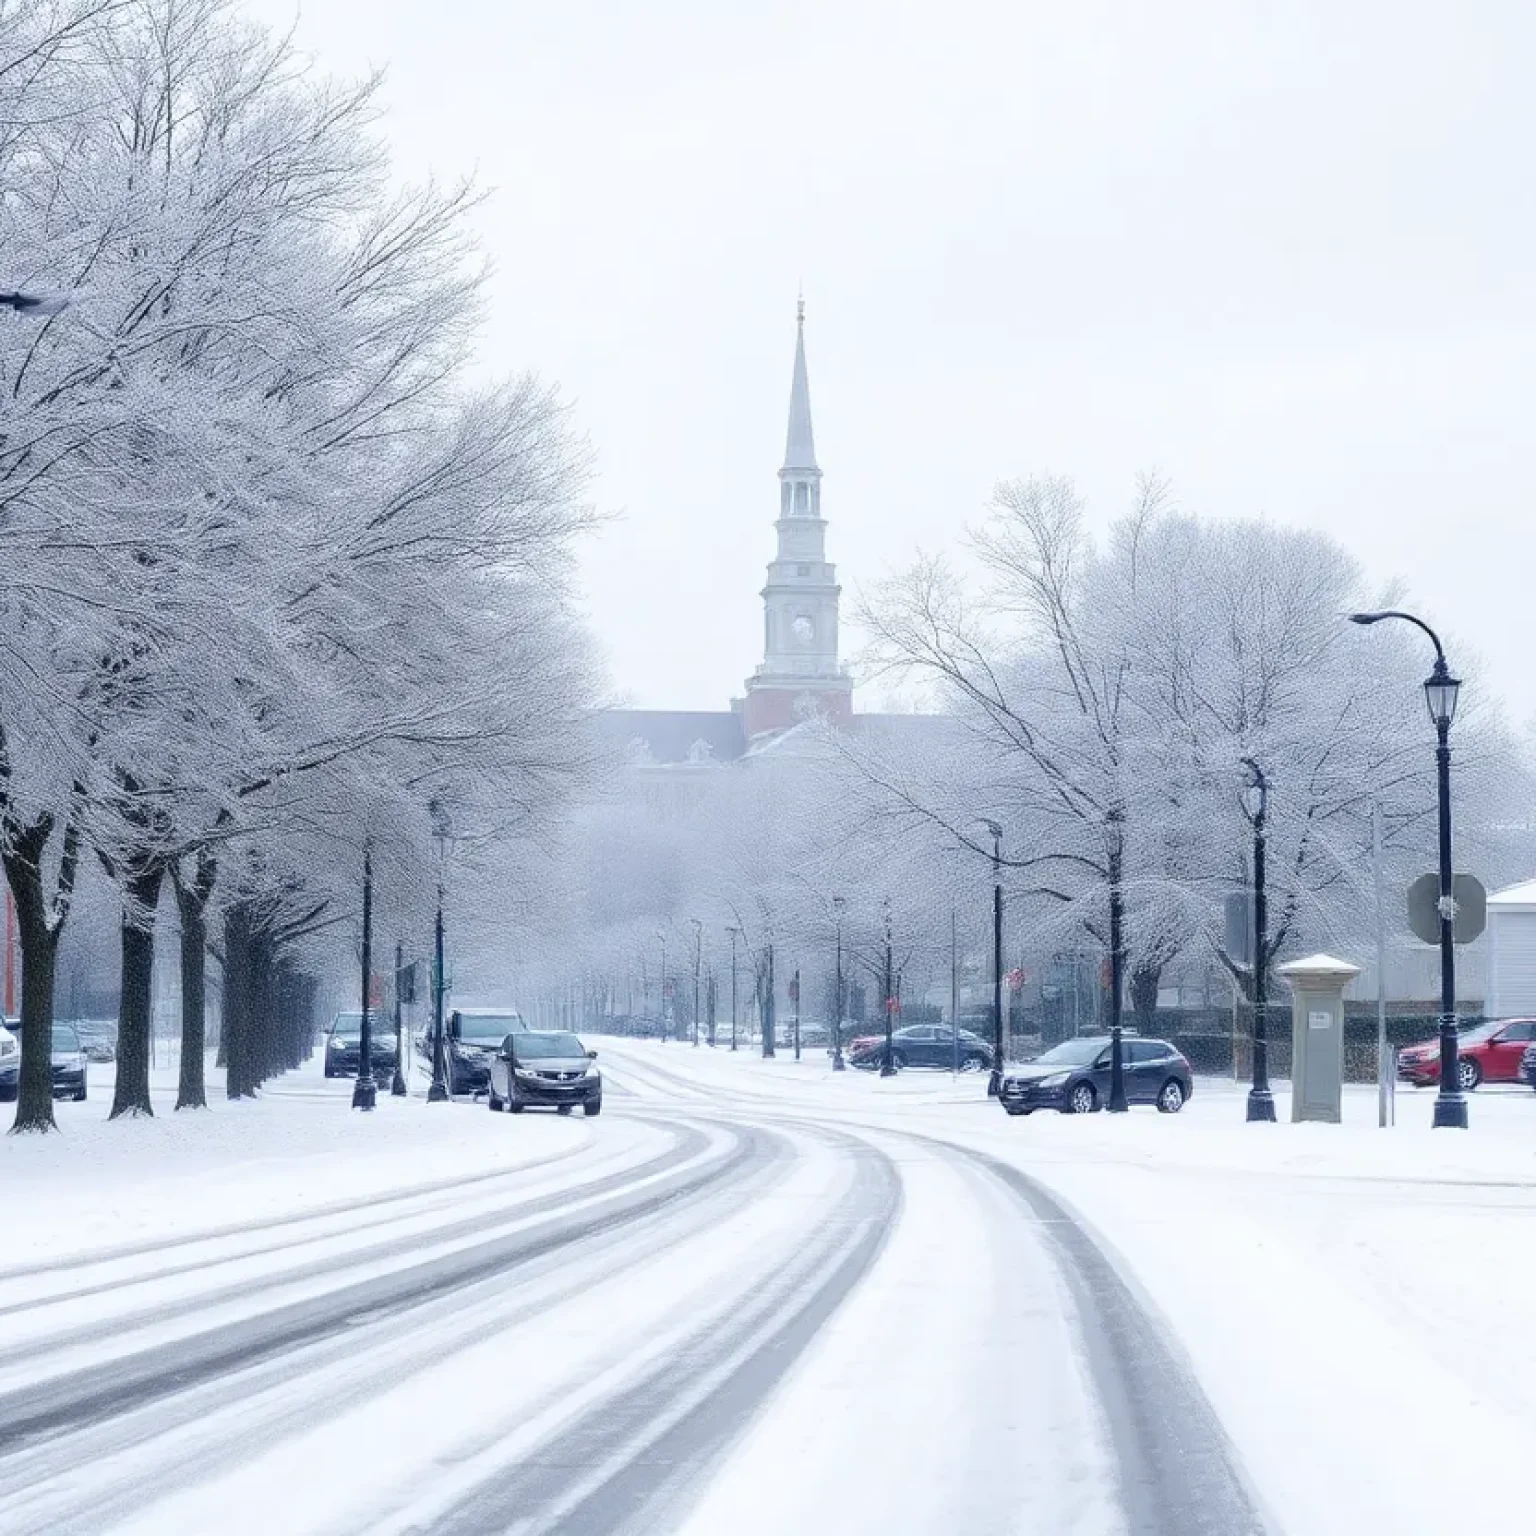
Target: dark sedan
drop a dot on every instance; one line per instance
(344, 1044)
(924, 1045)
(1074, 1077)
(548, 1067)
(67, 1061)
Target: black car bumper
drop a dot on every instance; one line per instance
(471, 1074)
(1023, 1097)
(543, 1091)
(344, 1063)
(68, 1082)
(10, 1082)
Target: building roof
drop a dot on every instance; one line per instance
(1519, 897)
(800, 444)
(676, 735)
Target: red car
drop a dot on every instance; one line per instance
(1490, 1053)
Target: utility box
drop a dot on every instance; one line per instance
(1317, 1035)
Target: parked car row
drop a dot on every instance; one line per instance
(67, 1061)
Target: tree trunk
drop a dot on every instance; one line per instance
(192, 902)
(142, 895)
(236, 1028)
(1146, 982)
(191, 1091)
(39, 954)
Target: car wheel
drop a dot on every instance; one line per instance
(1012, 1109)
(1082, 1100)
(1170, 1097)
(515, 1106)
(1468, 1074)
(898, 1061)
(974, 1064)
(563, 1109)
(328, 1071)
(80, 1093)
(593, 1107)
(492, 1102)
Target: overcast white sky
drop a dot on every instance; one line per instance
(1282, 252)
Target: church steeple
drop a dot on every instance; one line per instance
(800, 669)
(800, 444)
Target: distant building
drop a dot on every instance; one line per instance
(800, 675)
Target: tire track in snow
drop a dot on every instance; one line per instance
(1179, 1473)
(93, 1394)
(632, 1460)
(390, 1244)
(85, 1257)
(145, 1454)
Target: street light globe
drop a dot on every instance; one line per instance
(1255, 800)
(1441, 692)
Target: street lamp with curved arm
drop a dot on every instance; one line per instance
(1441, 691)
(995, 1080)
(1261, 1101)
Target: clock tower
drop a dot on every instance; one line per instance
(799, 674)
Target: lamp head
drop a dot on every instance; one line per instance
(1441, 693)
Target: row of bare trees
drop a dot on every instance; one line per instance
(277, 573)
(1095, 695)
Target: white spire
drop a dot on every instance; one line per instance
(800, 445)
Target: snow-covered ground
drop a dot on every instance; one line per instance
(763, 1297)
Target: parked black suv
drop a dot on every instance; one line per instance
(344, 1042)
(1074, 1077)
(471, 1038)
(544, 1067)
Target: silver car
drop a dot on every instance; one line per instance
(545, 1067)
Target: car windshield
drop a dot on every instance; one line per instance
(1481, 1032)
(532, 1047)
(489, 1027)
(65, 1038)
(348, 1025)
(1071, 1053)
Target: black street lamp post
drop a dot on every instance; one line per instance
(838, 1064)
(1117, 1101)
(888, 1066)
(665, 997)
(995, 1078)
(397, 1082)
(438, 1092)
(1261, 1102)
(365, 1090)
(698, 931)
(769, 1009)
(735, 933)
(794, 992)
(1441, 691)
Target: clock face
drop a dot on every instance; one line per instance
(804, 630)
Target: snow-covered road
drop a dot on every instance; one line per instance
(751, 1298)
